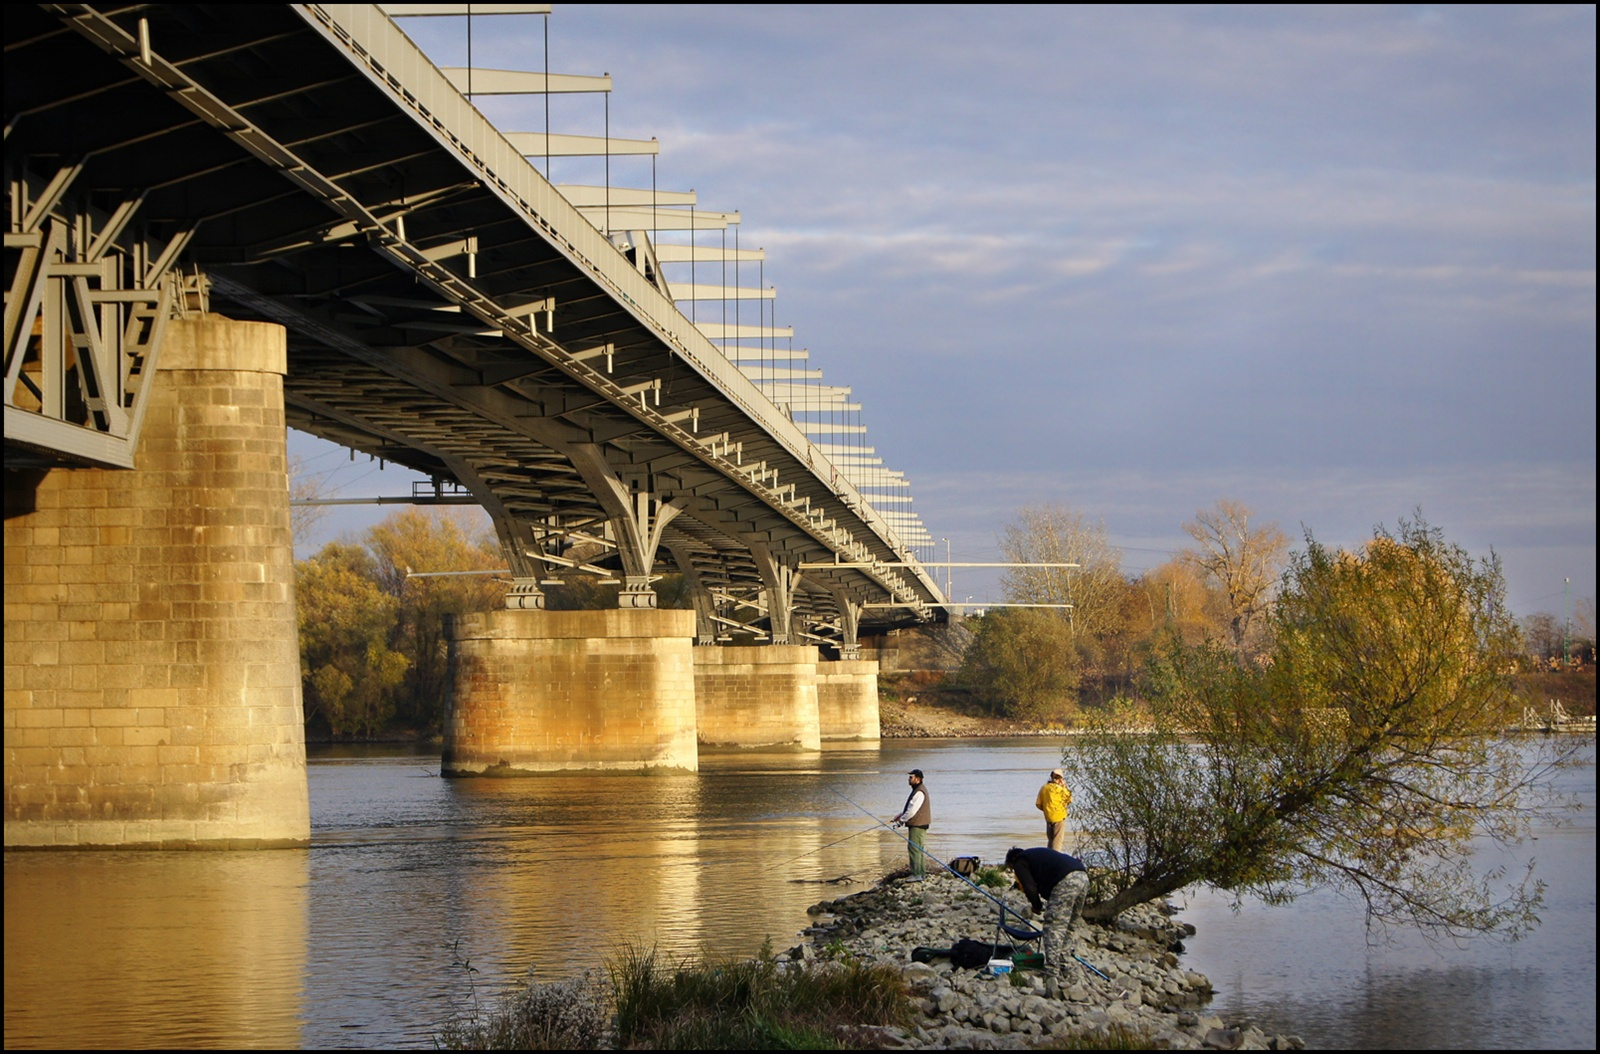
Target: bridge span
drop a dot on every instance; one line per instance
(225, 219)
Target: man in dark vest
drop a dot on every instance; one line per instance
(915, 817)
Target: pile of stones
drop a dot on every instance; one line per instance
(1119, 978)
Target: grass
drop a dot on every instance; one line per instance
(757, 1004)
(653, 1004)
(564, 1015)
(993, 877)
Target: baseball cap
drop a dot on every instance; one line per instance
(1056, 772)
(915, 772)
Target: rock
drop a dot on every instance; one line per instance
(1224, 1039)
(971, 1009)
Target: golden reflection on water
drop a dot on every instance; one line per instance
(421, 898)
(214, 943)
(365, 939)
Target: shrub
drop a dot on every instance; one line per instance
(561, 1015)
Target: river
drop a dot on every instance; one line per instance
(420, 897)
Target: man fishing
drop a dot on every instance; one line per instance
(915, 817)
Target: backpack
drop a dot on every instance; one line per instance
(965, 865)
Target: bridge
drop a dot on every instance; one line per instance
(226, 219)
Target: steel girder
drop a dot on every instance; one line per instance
(446, 308)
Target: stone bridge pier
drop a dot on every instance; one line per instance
(758, 696)
(537, 691)
(152, 692)
(847, 700)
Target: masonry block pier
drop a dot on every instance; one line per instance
(545, 691)
(757, 696)
(152, 691)
(847, 700)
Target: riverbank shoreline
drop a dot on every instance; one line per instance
(1127, 980)
(909, 720)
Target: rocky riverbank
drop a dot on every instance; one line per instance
(1145, 992)
(910, 720)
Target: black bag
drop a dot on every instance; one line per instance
(965, 865)
(969, 954)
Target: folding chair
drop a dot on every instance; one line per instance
(1020, 932)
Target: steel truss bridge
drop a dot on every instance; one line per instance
(447, 308)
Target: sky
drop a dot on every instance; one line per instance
(1335, 263)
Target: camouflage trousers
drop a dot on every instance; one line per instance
(1061, 914)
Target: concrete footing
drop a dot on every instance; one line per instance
(757, 696)
(847, 700)
(548, 691)
(152, 691)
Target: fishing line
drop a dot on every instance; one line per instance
(1002, 905)
(819, 849)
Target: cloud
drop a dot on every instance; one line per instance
(1337, 261)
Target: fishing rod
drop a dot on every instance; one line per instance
(1002, 905)
(819, 849)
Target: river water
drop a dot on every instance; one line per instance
(420, 897)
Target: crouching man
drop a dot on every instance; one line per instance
(1055, 885)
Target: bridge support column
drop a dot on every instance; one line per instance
(548, 691)
(778, 583)
(152, 662)
(757, 696)
(847, 700)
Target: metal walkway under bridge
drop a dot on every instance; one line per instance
(447, 308)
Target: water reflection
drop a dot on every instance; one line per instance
(420, 896)
(1310, 967)
(115, 949)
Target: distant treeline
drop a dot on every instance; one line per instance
(373, 662)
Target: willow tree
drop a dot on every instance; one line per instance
(1363, 752)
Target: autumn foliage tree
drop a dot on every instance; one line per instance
(372, 637)
(349, 671)
(413, 541)
(1021, 663)
(1090, 598)
(1044, 535)
(1362, 753)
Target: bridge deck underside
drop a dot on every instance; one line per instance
(317, 202)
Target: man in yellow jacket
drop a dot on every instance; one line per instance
(1053, 799)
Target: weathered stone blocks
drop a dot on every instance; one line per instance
(547, 691)
(152, 688)
(757, 696)
(847, 700)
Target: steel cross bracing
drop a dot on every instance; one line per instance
(447, 308)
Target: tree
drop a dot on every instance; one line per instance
(1363, 752)
(1021, 663)
(349, 673)
(304, 485)
(1242, 562)
(1176, 598)
(1545, 635)
(414, 541)
(1050, 534)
